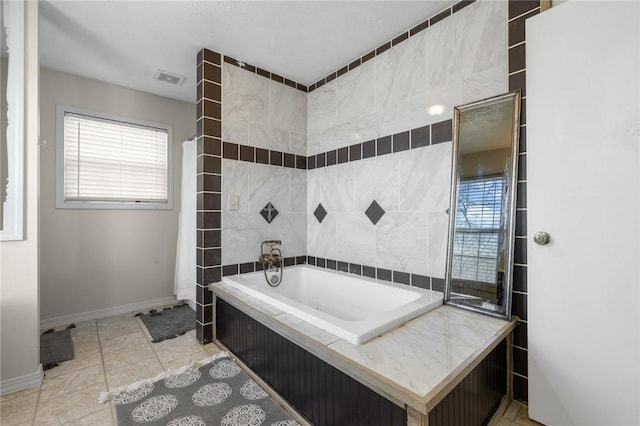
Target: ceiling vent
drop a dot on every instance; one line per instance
(167, 77)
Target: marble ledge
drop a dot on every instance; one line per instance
(414, 365)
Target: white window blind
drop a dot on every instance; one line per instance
(476, 238)
(114, 161)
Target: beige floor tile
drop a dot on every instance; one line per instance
(19, 409)
(131, 354)
(178, 347)
(103, 417)
(512, 411)
(82, 359)
(133, 372)
(72, 406)
(186, 360)
(81, 333)
(212, 348)
(87, 323)
(19, 394)
(55, 387)
(89, 344)
(122, 342)
(115, 330)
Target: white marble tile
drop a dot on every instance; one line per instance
(425, 178)
(402, 243)
(241, 236)
(287, 108)
(235, 181)
(415, 111)
(245, 95)
(268, 184)
(438, 223)
(383, 122)
(356, 93)
(333, 187)
(376, 178)
(468, 42)
(321, 237)
(401, 71)
(485, 84)
(298, 190)
(333, 138)
(291, 229)
(235, 129)
(322, 111)
(298, 143)
(266, 137)
(355, 238)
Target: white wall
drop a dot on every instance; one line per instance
(101, 259)
(19, 313)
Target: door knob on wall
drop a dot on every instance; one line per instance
(541, 238)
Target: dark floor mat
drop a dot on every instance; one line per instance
(55, 348)
(169, 323)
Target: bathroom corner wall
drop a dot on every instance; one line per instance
(379, 129)
(264, 150)
(209, 187)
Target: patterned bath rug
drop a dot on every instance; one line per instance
(169, 322)
(56, 347)
(215, 391)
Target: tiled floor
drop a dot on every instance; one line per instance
(112, 352)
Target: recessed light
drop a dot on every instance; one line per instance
(168, 77)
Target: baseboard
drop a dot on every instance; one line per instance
(32, 380)
(46, 324)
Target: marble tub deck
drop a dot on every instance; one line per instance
(415, 365)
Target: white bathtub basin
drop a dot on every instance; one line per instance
(354, 308)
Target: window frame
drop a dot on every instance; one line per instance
(61, 203)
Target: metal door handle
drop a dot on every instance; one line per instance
(541, 238)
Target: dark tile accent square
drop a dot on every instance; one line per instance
(522, 142)
(355, 152)
(311, 88)
(401, 277)
(383, 48)
(311, 260)
(321, 262)
(420, 281)
(420, 137)
(301, 162)
(517, 59)
(269, 212)
(517, 28)
(290, 83)
(383, 145)
(519, 305)
(211, 72)
(332, 157)
(209, 201)
(321, 160)
(320, 213)
(199, 72)
(278, 78)
(212, 257)
(461, 4)
(441, 132)
(262, 156)
(209, 220)
(319, 83)
(209, 90)
(343, 267)
(383, 274)
(207, 333)
(332, 264)
(523, 112)
(250, 68)
(517, 8)
(374, 212)
(289, 261)
(301, 260)
(289, 160)
(517, 81)
(402, 37)
(437, 284)
(520, 385)
(369, 271)
(520, 362)
(209, 183)
(230, 270)
(521, 196)
(213, 57)
(520, 278)
(263, 73)
(199, 275)
(230, 150)
(212, 239)
(369, 56)
(199, 237)
(211, 127)
(522, 167)
(301, 87)
(520, 251)
(520, 335)
(211, 109)
(440, 16)
(343, 155)
(401, 141)
(258, 266)
(342, 70)
(203, 295)
(355, 269)
(246, 268)
(247, 153)
(311, 162)
(199, 260)
(203, 315)
(275, 158)
(330, 77)
(369, 149)
(211, 146)
(230, 60)
(354, 64)
(521, 223)
(421, 26)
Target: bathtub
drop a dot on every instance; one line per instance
(354, 308)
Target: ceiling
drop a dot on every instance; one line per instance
(126, 42)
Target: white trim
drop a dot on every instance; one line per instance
(46, 324)
(32, 380)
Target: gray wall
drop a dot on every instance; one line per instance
(101, 259)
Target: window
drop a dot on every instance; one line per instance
(111, 162)
(475, 245)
